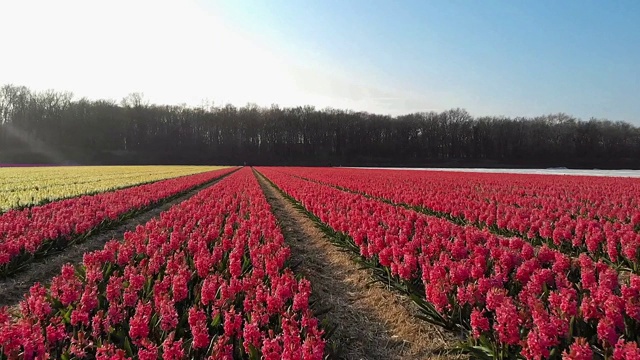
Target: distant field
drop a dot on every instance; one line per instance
(551, 171)
(25, 186)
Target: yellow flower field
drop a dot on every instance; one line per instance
(26, 186)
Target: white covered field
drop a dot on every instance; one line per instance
(594, 172)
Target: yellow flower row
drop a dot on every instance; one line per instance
(22, 186)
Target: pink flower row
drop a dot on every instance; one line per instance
(207, 279)
(513, 297)
(596, 215)
(24, 233)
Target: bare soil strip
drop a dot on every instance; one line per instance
(372, 321)
(13, 289)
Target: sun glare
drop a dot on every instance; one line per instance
(173, 51)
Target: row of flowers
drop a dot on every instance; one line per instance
(510, 298)
(595, 215)
(25, 187)
(36, 231)
(207, 279)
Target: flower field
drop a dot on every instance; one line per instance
(206, 279)
(512, 266)
(510, 297)
(27, 186)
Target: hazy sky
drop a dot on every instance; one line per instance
(491, 57)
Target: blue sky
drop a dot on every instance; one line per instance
(513, 58)
(491, 57)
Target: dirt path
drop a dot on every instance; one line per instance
(373, 322)
(12, 289)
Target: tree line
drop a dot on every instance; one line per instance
(53, 127)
